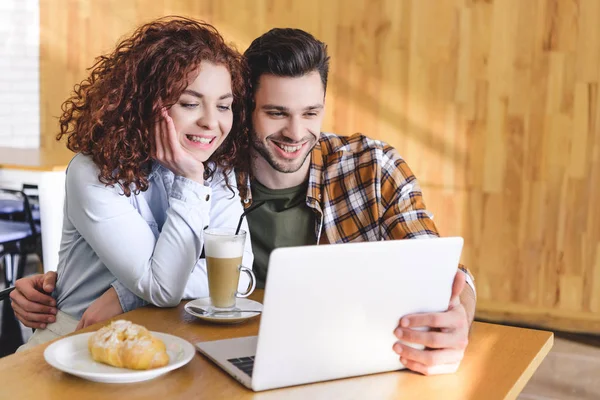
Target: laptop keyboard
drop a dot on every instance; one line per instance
(246, 364)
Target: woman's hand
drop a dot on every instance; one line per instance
(103, 308)
(171, 154)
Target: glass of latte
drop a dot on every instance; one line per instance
(224, 250)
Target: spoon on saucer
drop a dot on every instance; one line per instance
(202, 311)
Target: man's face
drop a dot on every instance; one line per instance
(287, 119)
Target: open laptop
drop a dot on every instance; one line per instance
(330, 311)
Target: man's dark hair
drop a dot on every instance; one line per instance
(286, 52)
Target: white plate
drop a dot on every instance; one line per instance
(240, 303)
(71, 355)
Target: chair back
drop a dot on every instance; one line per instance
(25, 207)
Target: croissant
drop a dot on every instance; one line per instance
(124, 344)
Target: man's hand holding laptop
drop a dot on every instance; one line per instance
(446, 339)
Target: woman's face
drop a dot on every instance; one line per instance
(202, 116)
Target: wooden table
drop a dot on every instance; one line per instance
(498, 363)
(47, 170)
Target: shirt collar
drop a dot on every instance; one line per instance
(315, 174)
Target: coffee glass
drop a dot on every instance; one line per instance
(224, 250)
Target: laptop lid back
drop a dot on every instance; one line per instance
(330, 311)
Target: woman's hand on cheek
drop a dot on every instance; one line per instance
(171, 154)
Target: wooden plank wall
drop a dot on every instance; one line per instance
(494, 104)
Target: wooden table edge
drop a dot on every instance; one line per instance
(519, 385)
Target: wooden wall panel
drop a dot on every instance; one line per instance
(493, 103)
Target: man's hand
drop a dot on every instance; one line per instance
(445, 341)
(103, 308)
(31, 301)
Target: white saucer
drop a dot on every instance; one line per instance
(71, 355)
(240, 303)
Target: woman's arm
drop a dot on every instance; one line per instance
(225, 212)
(156, 270)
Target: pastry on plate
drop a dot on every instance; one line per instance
(124, 344)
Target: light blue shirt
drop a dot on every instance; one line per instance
(147, 246)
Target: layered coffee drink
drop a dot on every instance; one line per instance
(223, 278)
(224, 250)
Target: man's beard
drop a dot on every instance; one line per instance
(276, 164)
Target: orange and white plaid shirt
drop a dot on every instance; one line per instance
(362, 190)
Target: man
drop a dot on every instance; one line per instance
(317, 188)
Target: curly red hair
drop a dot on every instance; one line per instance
(111, 114)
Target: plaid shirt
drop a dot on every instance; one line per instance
(362, 190)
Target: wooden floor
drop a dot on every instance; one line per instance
(570, 370)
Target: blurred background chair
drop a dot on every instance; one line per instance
(12, 206)
(19, 230)
(19, 237)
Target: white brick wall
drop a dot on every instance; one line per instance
(19, 73)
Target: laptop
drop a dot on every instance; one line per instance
(330, 311)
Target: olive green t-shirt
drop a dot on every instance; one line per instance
(283, 221)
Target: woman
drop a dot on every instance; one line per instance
(154, 166)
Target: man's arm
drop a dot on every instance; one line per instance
(405, 217)
(404, 213)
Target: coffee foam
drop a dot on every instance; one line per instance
(223, 247)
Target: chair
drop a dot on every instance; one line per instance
(17, 238)
(33, 195)
(11, 205)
